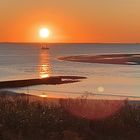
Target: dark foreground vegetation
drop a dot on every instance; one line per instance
(24, 119)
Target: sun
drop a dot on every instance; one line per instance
(44, 32)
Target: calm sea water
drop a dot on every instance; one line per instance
(21, 61)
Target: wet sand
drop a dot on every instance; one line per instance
(56, 100)
(123, 59)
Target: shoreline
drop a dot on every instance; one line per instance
(7, 93)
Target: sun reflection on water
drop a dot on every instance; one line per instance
(44, 71)
(44, 66)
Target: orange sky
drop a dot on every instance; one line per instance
(70, 20)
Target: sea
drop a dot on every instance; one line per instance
(27, 60)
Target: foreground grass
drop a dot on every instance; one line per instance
(23, 119)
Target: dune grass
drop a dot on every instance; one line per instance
(23, 119)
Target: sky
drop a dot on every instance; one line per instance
(88, 21)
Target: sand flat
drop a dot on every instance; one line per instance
(123, 59)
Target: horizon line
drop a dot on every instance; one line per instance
(19, 42)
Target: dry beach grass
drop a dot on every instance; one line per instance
(22, 118)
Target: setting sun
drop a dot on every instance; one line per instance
(44, 32)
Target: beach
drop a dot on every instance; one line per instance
(69, 70)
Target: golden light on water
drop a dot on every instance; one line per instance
(44, 73)
(44, 66)
(44, 33)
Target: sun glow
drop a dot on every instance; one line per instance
(44, 32)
